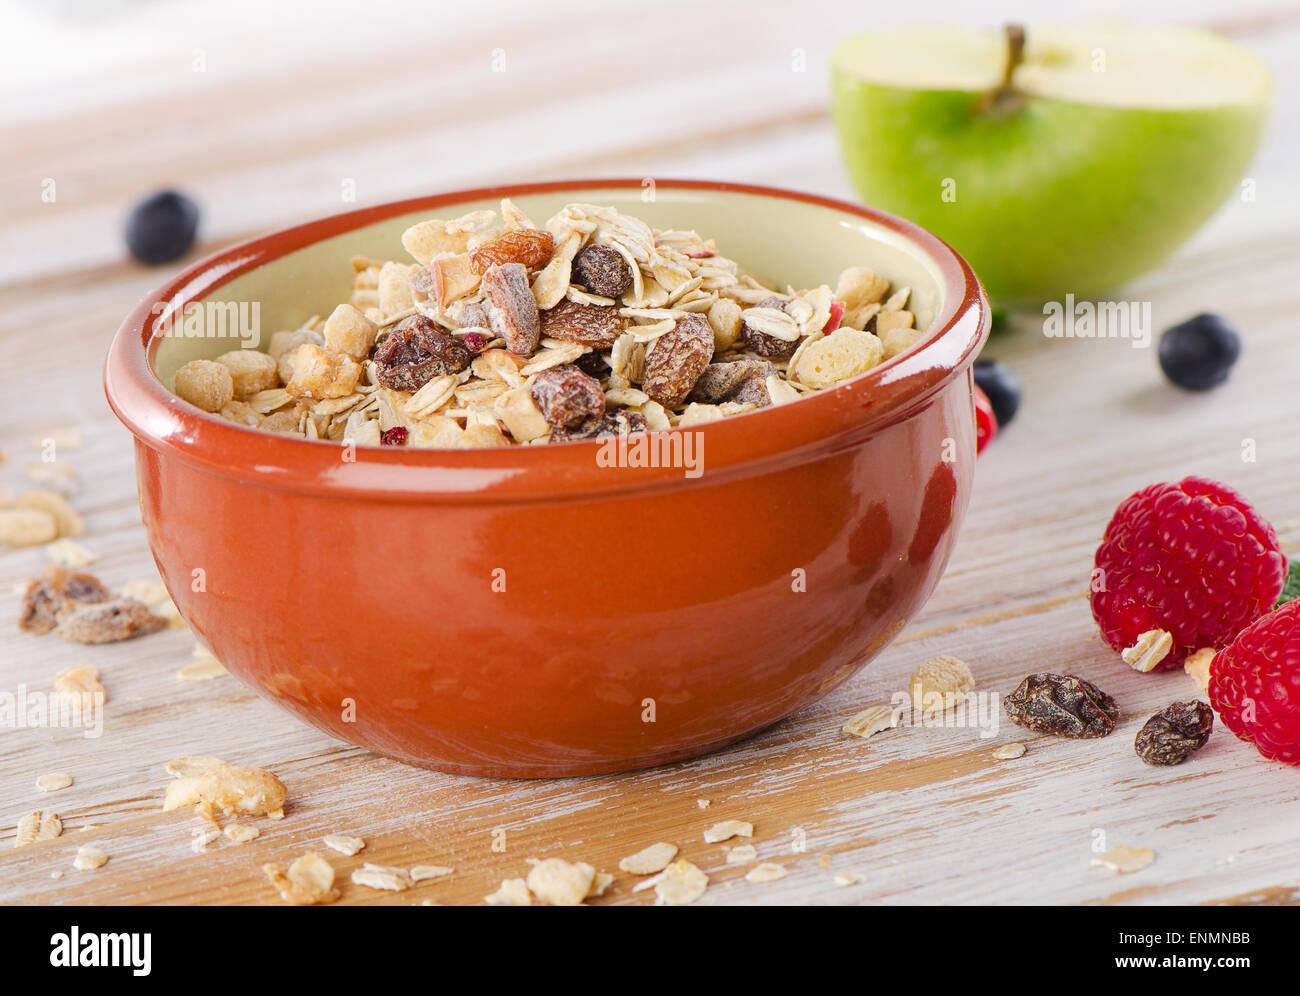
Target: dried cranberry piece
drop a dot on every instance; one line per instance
(567, 396)
(414, 352)
(474, 341)
(602, 271)
(396, 436)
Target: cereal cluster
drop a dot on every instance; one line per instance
(504, 333)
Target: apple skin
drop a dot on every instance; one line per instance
(1052, 197)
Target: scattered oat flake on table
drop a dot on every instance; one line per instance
(766, 872)
(600, 884)
(202, 837)
(61, 476)
(941, 683)
(728, 829)
(241, 833)
(1009, 752)
(202, 670)
(1123, 860)
(66, 437)
(53, 781)
(309, 881)
(702, 803)
(742, 854)
(1197, 666)
(680, 884)
(649, 860)
(560, 882)
(78, 681)
(343, 844)
(37, 826)
(512, 892)
(385, 877)
(844, 879)
(89, 858)
(871, 721)
(424, 873)
(226, 787)
(69, 553)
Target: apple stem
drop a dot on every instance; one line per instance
(1015, 52)
(1004, 95)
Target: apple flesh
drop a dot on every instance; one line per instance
(1070, 169)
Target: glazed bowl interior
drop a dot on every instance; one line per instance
(781, 242)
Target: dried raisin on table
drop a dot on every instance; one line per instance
(768, 345)
(415, 351)
(589, 324)
(677, 359)
(620, 423)
(529, 247)
(602, 270)
(511, 307)
(566, 396)
(1063, 705)
(55, 592)
(723, 381)
(1172, 735)
(108, 622)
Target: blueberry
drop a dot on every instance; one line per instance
(161, 228)
(997, 381)
(1199, 353)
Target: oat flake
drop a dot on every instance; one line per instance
(1123, 860)
(344, 845)
(728, 829)
(649, 860)
(53, 781)
(766, 872)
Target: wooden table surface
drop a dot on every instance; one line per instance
(268, 126)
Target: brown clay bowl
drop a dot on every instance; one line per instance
(638, 615)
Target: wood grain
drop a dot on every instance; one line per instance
(925, 815)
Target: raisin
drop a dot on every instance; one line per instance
(723, 381)
(595, 364)
(55, 592)
(589, 324)
(415, 351)
(108, 622)
(619, 423)
(602, 270)
(1173, 734)
(529, 247)
(511, 308)
(395, 436)
(769, 345)
(566, 396)
(677, 359)
(1063, 705)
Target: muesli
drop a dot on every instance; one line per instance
(502, 332)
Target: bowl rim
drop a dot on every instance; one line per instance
(766, 439)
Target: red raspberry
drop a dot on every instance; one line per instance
(1255, 684)
(1193, 558)
(986, 423)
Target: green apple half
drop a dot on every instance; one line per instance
(1057, 160)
